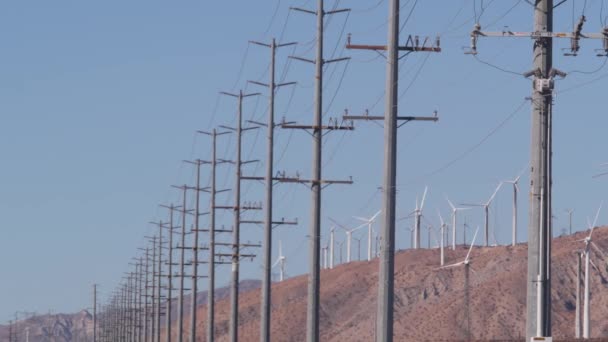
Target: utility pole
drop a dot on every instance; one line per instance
(538, 318)
(153, 295)
(212, 229)
(172, 208)
(145, 293)
(236, 237)
(159, 279)
(180, 299)
(269, 183)
(195, 248)
(386, 277)
(94, 312)
(316, 183)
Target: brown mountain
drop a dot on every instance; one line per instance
(430, 304)
(52, 328)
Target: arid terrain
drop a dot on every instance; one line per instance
(430, 304)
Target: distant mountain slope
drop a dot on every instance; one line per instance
(429, 303)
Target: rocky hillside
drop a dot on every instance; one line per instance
(430, 304)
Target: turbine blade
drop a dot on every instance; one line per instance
(376, 215)
(338, 224)
(494, 194)
(361, 218)
(450, 203)
(472, 244)
(598, 249)
(452, 265)
(426, 188)
(440, 217)
(597, 214)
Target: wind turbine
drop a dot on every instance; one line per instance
(442, 230)
(281, 260)
(331, 247)
(486, 207)
(417, 218)
(454, 212)
(324, 250)
(369, 222)
(588, 244)
(515, 191)
(569, 212)
(466, 262)
(349, 237)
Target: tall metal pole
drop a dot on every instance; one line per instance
(193, 305)
(153, 301)
(331, 248)
(180, 301)
(515, 191)
(234, 288)
(169, 277)
(146, 295)
(387, 250)
(586, 311)
(267, 242)
(577, 314)
(312, 317)
(540, 188)
(159, 280)
(211, 287)
(94, 312)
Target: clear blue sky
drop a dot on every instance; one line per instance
(100, 101)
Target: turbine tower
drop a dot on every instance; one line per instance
(455, 210)
(486, 207)
(417, 219)
(331, 246)
(467, 264)
(442, 230)
(515, 192)
(349, 237)
(281, 261)
(369, 222)
(588, 244)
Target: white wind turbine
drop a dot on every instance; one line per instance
(486, 207)
(515, 191)
(331, 247)
(369, 222)
(442, 230)
(281, 261)
(417, 219)
(588, 244)
(455, 210)
(466, 262)
(349, 237)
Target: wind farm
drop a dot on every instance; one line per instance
(304, 171)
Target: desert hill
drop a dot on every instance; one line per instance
(429, 303)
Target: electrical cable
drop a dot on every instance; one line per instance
(590, 72)
(476, 145)
(496, 67)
